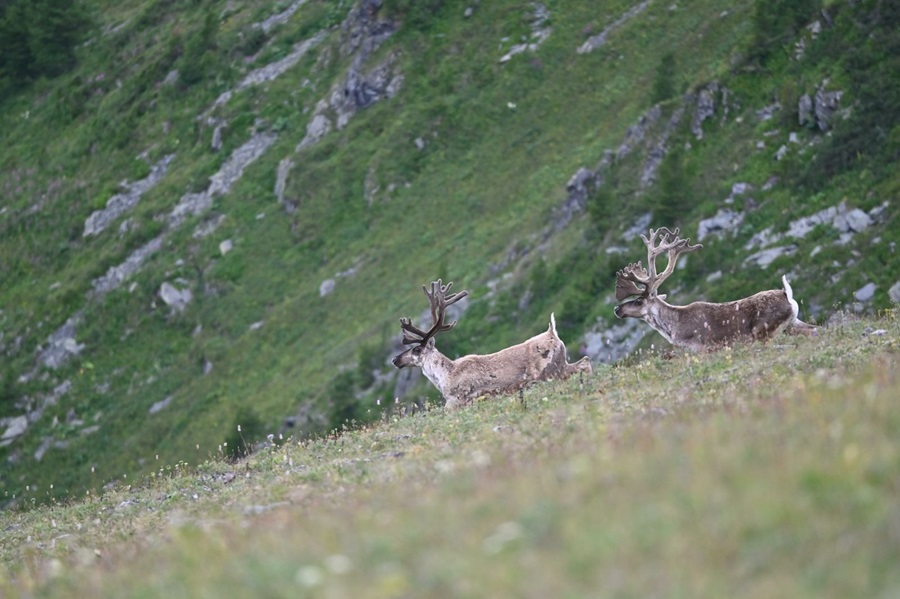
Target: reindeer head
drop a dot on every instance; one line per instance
(635, 280)
(423, 341)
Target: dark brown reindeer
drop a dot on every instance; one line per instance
(541, 358)
(701, 325)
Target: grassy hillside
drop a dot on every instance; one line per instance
(458, 170)
(766, 470)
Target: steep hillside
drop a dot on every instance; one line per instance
(215, 214)
(766, 470)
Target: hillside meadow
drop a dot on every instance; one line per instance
(442, 160)
(766, 470)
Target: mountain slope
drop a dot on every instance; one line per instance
(324, 159)
(767, 469)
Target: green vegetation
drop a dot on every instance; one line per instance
(758, 471)
(674, 184)
(869, 139)
(38, 38)
(460, 174)
(664, 84)
(776, 25)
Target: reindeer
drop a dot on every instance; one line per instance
(701, 325)
(541, 358)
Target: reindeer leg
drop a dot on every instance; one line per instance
(798, 327)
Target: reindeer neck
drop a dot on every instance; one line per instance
(665, 318)
(437, 368)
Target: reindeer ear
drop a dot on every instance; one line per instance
(430, 343)
(661, 296)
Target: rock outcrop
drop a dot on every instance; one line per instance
(846, 221)
(540, 31)
(818, 111)
(724, 221)
(894, 293)
(865, 293)
(284, 169)
(280, 18)
(273, 70)
(608, 344)
(176, 298)
(596, 41)
(704, 109)
(61, 344)
(121, 203)
(363, 32)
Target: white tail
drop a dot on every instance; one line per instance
(790, 296)
(701, 325)
(541, 358)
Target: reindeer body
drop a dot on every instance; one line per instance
(541, 358)
(702, 325)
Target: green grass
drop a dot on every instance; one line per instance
(758, 471)
(486, 183)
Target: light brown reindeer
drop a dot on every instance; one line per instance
(541, 358)
(701, 325)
